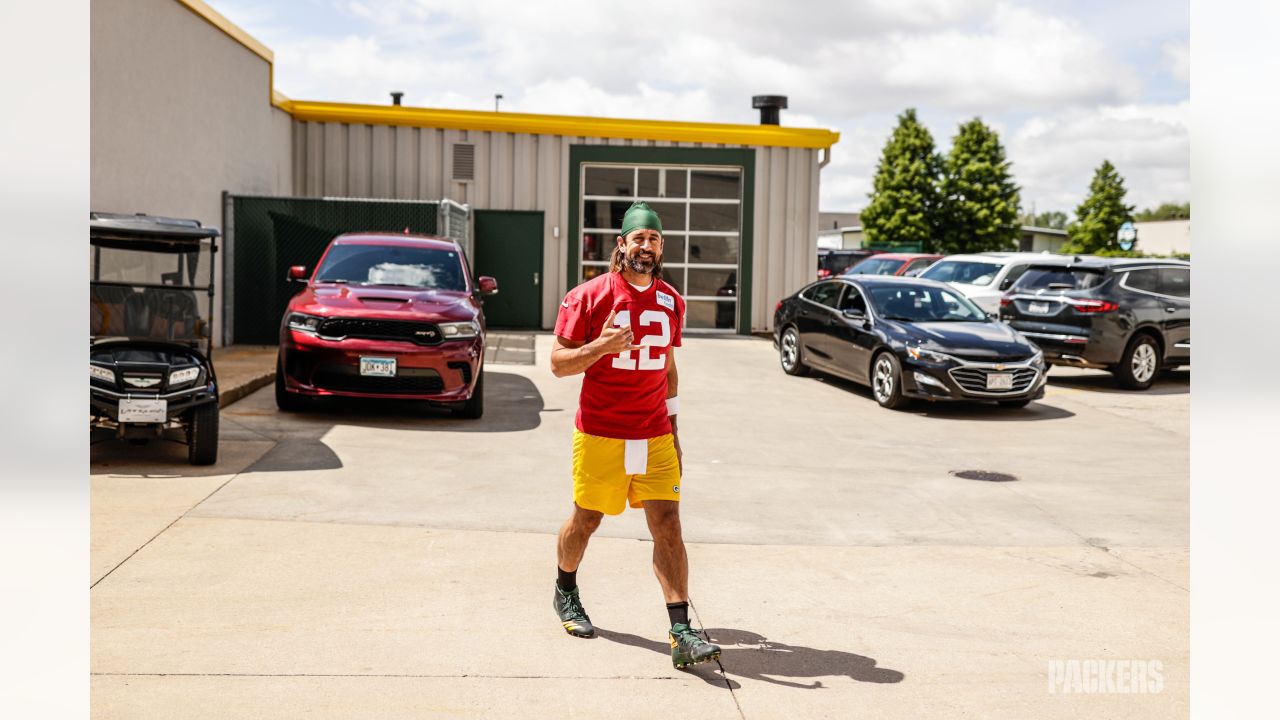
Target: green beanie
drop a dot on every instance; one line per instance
(640, 217)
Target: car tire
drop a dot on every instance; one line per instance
(202, 434)
(285, 400)
(1015, 403)
(1140, 363)
(473, 408)
(791, 354)
(886, 381)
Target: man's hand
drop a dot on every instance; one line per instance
(570, 357)
(613, 339)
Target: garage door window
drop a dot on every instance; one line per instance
(701, 212)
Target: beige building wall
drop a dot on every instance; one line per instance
(179, 111)
(522, 171)
(1164, 237)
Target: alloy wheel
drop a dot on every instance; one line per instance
(1143, 364)
(882, 383)
(790, 349)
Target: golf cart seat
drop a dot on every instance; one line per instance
(107, 310)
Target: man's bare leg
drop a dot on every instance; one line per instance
(670, 563)
(570, 548)
(574, 535)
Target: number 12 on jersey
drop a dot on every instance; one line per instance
(647, 360)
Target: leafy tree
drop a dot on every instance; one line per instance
(1166, 211)
(1100, 215)
(1053, 219)
(905, 200)
(980, 201)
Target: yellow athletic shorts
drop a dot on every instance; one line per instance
(608, 472)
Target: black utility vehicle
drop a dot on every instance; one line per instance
(906, 338)
(1131, 316)
(150, 330)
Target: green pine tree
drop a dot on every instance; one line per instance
(905, 199)
(980, 201)
(1100, 215)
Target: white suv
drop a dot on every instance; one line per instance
(983, 277)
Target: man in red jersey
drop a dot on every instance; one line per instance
(621, 329)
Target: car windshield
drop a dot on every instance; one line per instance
(875, 266)
(415, 267)
(140, 292)
(924, 304)
(1058, 279)
(962, 271)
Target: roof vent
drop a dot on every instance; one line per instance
(464, 161)
(770, 107)
(395, 97)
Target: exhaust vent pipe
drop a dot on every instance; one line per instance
(770, 107)
(395, 97)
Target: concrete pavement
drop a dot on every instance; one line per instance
(382, 560)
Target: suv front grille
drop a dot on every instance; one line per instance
(408, 381)
(404, 330)
(974, 380)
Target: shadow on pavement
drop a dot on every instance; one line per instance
(1169, 382)
(750, 655)
(957, 409)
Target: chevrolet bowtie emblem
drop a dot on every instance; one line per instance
(999, 366)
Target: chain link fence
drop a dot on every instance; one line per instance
(265, 236)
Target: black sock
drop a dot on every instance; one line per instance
(568, 581)
(678, 612)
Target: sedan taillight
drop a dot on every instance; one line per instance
(1092, 306)
(777, 307)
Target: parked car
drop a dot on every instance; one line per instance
(386, 315)
(834, 262)
(900, 264)
(906, 338)
(150, 330)
(983, 277)
(1130, 316)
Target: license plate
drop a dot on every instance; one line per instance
(1000, 381)
(377, 367)
(143, 411)
(1039, 308)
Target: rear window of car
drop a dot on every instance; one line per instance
(1058, 279)
(826, 293)
(876, 266)
(1175, 281)
(971, 272)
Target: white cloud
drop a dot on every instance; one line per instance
(1054, 157)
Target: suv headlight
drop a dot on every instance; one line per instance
(1038, 358)
(101, 373)
(304, 323)
(183, 376)
(928, 356)
(459, 330)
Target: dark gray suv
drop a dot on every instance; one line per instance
(1131, 316)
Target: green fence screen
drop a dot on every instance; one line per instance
(267, 235)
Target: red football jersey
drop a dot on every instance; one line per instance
(624, 396)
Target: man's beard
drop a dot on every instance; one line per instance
(642, 265)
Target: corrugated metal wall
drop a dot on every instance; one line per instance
(516, 171)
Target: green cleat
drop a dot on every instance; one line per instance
(688, 647)
(568, 606)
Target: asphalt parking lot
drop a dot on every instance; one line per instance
(383, 560)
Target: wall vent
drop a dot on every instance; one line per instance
(464, 161)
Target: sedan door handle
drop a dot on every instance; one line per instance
(1171, 309)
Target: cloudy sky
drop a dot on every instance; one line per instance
(1066, 84)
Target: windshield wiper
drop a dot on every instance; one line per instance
(899, 317)
(335, 282)
(404, 285)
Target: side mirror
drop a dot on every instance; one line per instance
(488, 285)
(298, 273)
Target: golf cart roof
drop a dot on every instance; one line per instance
(148, 232)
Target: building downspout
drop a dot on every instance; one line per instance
(826, 157)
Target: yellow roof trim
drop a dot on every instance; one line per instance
(216, 19)
(480, 120)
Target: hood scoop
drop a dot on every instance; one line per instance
(371, 298)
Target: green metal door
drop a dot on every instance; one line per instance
(508, 247)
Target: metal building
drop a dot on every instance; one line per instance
(739, 203)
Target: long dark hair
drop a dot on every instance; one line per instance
(619, 257)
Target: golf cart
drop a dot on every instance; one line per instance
(151, 332)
